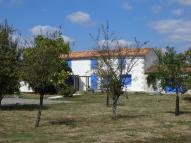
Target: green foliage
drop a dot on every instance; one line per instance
(170, 70)
(61, 77)
(188, 56)
(9, 61)
(66, 90)
(188, 60)
(152, 80)
(43, 64)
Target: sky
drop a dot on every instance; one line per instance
(161, 22)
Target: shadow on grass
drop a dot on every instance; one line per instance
(181, 112)
(167, 139)
(129, 116)
(68, 122)
(28, 107)
(187, 99)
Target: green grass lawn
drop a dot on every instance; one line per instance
(28, 95)
(141, 119)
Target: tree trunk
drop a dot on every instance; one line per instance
(177, 112)
(1, 98)
(39, 111)
(107, 102)
(114, 108)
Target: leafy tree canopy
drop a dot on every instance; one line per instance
(9, 61)
(169, 69)
(170, 72)
(43, 63)
(43, 66)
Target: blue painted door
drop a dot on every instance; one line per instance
(94, 82)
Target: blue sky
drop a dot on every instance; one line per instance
(161, 22)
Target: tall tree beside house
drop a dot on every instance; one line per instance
(9, 61)
(188, 62)
(43, 65)
(169, 73)
(113, 65)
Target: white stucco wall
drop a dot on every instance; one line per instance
(137, 74)
(24, 87)
(82, 67)
(83, 84)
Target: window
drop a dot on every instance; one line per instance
(69, 62)
(127, 79)
(93, 63)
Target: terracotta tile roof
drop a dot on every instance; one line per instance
(114, 53)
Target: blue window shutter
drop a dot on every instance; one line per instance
(93, 63)
(169, 89)
(69, 62)
(94, 81)
(127, 79)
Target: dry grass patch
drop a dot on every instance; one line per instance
(141, 119)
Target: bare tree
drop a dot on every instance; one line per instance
(114, 62)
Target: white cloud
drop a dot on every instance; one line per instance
(23, 41)
(80, 17)
(157, 8)
(124, 43)
(43, 30)
(184, 2)
(115, 43)
(46, 29)
(68, 39)
(127, 6)
(176, 30)
(178, 12)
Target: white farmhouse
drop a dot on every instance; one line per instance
(83, 65)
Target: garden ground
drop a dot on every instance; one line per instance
(142, 118)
